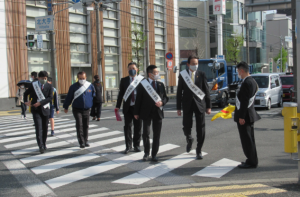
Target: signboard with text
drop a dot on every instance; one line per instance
(219, 7)
(44, 23)
(170, 64)
(39, 41)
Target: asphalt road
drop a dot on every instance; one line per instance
(66, 170)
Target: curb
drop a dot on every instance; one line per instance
(151, 189)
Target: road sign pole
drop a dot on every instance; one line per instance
(52, 48)
(298, 74)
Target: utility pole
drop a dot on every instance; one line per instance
(147, 35)
(99, 52)
(52, 49)
(220, 34)
(294, 42)
(281, 44)
(247, 37)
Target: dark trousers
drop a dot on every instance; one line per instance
(23, 107)
(129, 118)
(82, 118)
(200, 126)
(156, 127)
(248, 142)
(96, 110)
(41, 127)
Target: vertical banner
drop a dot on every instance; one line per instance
(219, 7)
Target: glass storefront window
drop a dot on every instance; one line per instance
(79, 58)
(111, 80)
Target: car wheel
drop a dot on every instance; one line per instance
(224, 101)
(269, 104)
(280, 103)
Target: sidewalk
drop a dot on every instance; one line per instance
(263, 187)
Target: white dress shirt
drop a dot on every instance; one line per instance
(134, 91)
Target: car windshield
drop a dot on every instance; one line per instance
(287, 80)
(202, 66)
(262, 81)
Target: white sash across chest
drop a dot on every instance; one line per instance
(39, 93)
(195, 89)
(251, 100)
(150, 90)
(81, 90)
(132, 86)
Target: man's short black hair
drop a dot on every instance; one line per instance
(151, 68)
(43, 74)
(49, 79)
(81, 73)
(244, 66)
(192, 57)
(34, 74)
(131, 63)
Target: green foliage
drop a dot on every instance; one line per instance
(137, 44)
(233, 47)
(284, 58)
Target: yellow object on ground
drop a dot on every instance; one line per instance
(225, 113)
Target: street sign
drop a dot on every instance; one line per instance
(170, 64)
(75, 1)
(288, 39)
(44, 23)
(49, 5)
(219, 7)
(39, 40)
(169, 56)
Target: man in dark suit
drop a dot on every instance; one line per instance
(128, 110)
(40, 107)
(191, 104)
(245, 115)
(150, 111)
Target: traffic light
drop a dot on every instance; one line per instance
(279, 61)
(30, 40)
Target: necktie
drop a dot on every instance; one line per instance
(153, 85)
(193, 76)
(42, 86)
(132, 94)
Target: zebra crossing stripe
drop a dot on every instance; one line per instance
(16, 124)
(18, 138)
(218, 169)
(63, 163)
(19, 144)
(157, 170)
(67, 151)
(18, 129)
(100, 168)
(34, 149)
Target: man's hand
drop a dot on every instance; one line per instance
(208, 111)
(57, 112)
(28, 103)
(242, 121)
(179, 112)
(37, 104)
(136, 117)
(159, 104)
(65, 110)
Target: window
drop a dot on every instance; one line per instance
(110, 41)
(79, 58)
(77, 18)
(136, 19)
(110, 23)
(110, 32)
(160, 2)
(111, 80)
(213, 52)
(277, 82)
(78, 38)
(136, 11)
(188, 12)
(159, 31)
(108, 49)
(212, 34)
(221, 71)
(188, 33)
(159, 46)
(76, 28)
(159, 38)
(35, 12)
(158, 15)
(78, 48)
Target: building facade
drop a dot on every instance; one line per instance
(76, 42)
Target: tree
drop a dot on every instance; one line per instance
(199, 46)
(233, 47)
(284, 58)
(138, 43)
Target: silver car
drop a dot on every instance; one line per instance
(270, 90)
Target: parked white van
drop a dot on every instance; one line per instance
(270, 90)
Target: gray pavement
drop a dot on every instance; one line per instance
(65, 170)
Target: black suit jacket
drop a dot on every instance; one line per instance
(48, 94)
(185, 96)
(247, 90)
(144, 104)
(124, 83)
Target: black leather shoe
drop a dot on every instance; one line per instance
(246, 166)
(87, 145)
(137, 149)
(199, 156)
(146, 157)
(45, 147)
(127, 150)
(189, 144)
(82, 146)
(42, 150)
(154, 159)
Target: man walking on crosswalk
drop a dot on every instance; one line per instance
(41, 94)
(81, 94)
